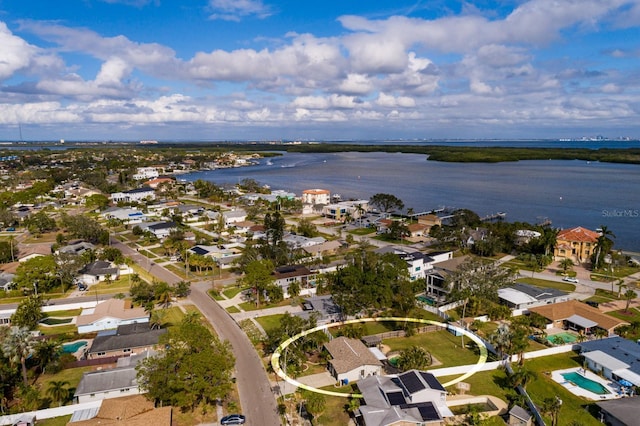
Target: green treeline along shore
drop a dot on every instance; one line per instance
(445, 153)
(465, 154)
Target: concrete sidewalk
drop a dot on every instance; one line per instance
(265, 312)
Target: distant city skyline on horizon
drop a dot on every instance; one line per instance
(221, 70)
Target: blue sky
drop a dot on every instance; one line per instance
(318, 70)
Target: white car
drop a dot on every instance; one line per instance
(570, 280)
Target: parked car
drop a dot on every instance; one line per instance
(573, 280)
(233, 419)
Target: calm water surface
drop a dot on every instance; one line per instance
(569, 193)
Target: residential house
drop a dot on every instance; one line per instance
(143, 173)
(438, 278)
(430, 220)
(615, 358)
(417, 263)
(418, 230)
(577, 244)
(132, 410)
(619, 412)
(523, 296)
(234, 216)
(317, 251)
(76, 247)
(126, 340)
(29, 251)
(322, 307)
(98, 271)
(351, 360)
(113, 382)
(6, 281)
(160, 229)
(286, 275)
(134, 195)
(300, 242)
(316, 196)
(345, 209)
(156, 182)
(127, 216)
(578, 316)
(523, 236)
(411, 398)
(109, 315)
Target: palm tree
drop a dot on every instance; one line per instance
(549, 239)
(18, 345)
(521, 377)
(566, 264)
(629, 295)
(46, 352)
(603, 245)
(156, 319)
(551, 406)
(58, 391)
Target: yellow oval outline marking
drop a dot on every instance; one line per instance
(275, 358)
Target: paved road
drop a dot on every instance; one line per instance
(257, 400)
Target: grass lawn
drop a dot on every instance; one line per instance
(60, 329)
(252, 332)
(484, 383)
(632, 315)
(64, 314)
(610, 295)
(173, 316)
(270, 322)
(334, 413)
(56, 421)
(212, 294)
(233, 310)
(362, 231)
(71, 375)
(121, 285)
(231, 292)
(251, 306)
(444, 346)
(548, 284)
(574, 408)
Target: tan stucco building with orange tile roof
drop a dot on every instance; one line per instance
(576, 244)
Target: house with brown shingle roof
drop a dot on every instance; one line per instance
(133, 410)
(351, 360)
(579, 316)
(576, 244)
(109, 315)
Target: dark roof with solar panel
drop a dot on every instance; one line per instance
(427, 410)
(411, 382)
(395, 398)
(432, 381)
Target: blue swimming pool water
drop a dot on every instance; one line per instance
(588, 384)
(73, 347)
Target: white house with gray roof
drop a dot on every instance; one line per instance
(134, 195)
(351, 360)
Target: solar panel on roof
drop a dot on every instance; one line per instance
(199, 250)
(395, 398)
(411, 382)
(431, 381)
(428, 411)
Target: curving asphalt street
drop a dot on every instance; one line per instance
(256, 398)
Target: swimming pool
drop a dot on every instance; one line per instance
(588, 384)
(566, 337)
(73, 347)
